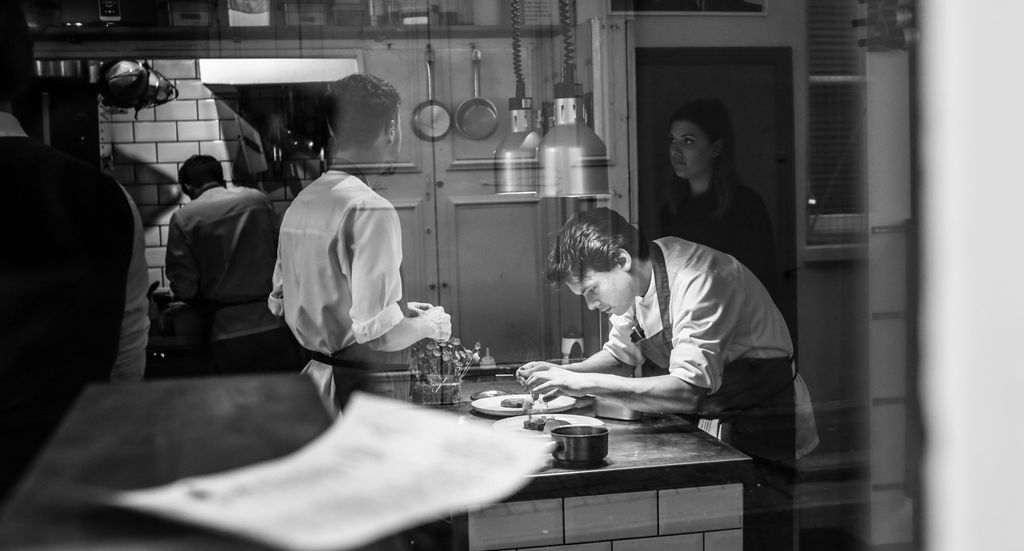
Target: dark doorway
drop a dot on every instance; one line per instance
(756, 86)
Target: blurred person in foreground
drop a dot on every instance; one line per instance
(221, 250)
(338, 280)
(73, 306)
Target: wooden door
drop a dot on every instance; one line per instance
(410, 188)
(756, 86)
(490, 247)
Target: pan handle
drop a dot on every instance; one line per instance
(476, 56)
(430, 73)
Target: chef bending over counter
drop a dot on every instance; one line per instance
(693, 332)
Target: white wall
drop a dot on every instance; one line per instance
(972, 372)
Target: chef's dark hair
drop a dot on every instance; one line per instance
(359, 107)
(713, 118)
(591, 240)
(15, 50)
(199, 170)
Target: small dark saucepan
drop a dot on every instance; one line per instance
(579, 446)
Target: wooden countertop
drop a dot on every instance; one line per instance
(653, 452)
(137, 435)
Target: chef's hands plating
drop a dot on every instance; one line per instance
(547, 380)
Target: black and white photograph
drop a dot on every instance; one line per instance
(510, 275)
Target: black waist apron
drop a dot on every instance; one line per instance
(755, 405)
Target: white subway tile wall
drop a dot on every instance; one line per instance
(523, 523)
(145, 149)
(726, 540)
(684, 542)
(611, 517)
(707, 518)
(700, 509)
(594, 546)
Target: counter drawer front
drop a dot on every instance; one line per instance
(609, 517)
(726, 540)
(701, 509)
(516, 524)
(684, 542)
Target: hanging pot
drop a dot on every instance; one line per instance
(476, 118)
(431, 119)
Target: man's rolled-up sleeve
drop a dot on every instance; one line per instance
(705, 317)
(375, 244)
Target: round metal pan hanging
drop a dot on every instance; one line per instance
(476, 118)
(431, 119)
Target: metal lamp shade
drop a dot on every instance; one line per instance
(515, 158)
(573, 157)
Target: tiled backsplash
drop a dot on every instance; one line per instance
(144, 151)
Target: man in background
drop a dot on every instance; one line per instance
(338, 282)
(72, 279)
(221, 250)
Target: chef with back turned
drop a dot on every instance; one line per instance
(694, 332)
(337, 281)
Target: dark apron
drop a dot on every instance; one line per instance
(755, 404)
(756, 408)
(355, 367)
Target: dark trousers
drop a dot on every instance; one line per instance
(768, 434)
(269, 351)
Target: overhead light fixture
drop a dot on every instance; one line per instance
(515, 158)
(573, 157)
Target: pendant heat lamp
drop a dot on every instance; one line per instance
(574, 159)
(515, 158)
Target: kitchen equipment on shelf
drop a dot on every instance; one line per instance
(431, 119)
(476, 118)
(487, 361)
(572, 345)
(492, 405)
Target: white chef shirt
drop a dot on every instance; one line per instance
(719, 311)
(222, 247)
(337, 279)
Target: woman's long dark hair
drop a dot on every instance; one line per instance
(711, 116)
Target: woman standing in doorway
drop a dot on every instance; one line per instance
(707, 202)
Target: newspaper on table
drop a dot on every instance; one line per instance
(383, 466)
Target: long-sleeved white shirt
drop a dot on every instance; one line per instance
(719, 311)
(221, 248)
(337, 278)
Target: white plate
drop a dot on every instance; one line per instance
(515, 424)
(492, 405)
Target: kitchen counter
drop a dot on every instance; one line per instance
(144, 434)
(653, 452)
